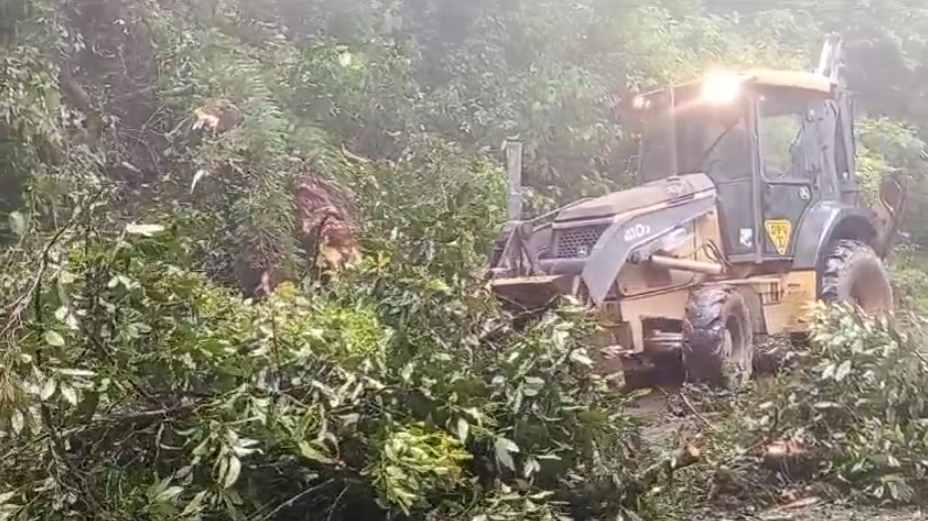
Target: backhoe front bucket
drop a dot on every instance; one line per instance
(534, 292)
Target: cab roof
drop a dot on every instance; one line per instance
(777, 78)
(798, 80)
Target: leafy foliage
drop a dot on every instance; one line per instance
(357, 403)
(135, 383)
(849, 408)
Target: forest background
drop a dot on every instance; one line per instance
(155, 159)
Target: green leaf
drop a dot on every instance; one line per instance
(531, 466)
(195, 505)
(579, 356)
(533, 385)
(504, 450)
(842, 371)
(406, 373)
(76, 372)
(310, 452)
(553, 457)
(17, 421)
(232, 474)
(147, 230)
(17, 223)
(54, 339)
(68, 394)
(48, 390)
(463, 429)
(169, 494)
(196, 179)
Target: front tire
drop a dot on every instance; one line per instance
(718, 338)
(854, 274)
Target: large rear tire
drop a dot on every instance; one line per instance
(718, 338)
(854, 274)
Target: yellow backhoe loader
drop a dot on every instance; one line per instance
(747, 210)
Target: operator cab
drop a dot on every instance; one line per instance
(774, 143)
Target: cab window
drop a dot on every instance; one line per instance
(784, 119)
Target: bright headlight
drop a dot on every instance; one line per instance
(721, 87)
(641, 102)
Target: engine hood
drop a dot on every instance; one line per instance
(650, 194)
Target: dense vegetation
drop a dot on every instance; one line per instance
(158, 159)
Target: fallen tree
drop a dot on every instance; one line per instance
(133, 388)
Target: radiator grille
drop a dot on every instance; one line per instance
(577, 242)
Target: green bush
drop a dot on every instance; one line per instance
(910, 281)
(853, 401)
(138, 389)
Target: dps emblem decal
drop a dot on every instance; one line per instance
(779, 231)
